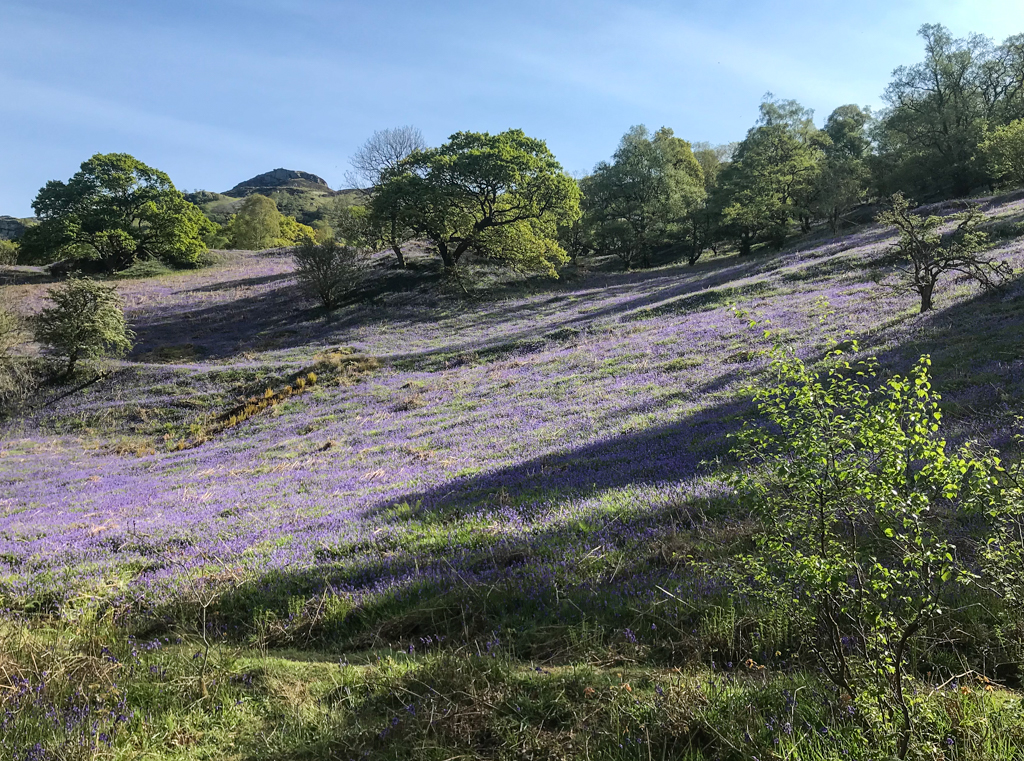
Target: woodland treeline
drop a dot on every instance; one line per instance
(952, 125)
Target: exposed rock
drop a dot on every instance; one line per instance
(11, 228)
(279, 179)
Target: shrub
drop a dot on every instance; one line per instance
(8, 252)
(13, 371)
(85, 321)
(144, 268)
(857, 495)
(329, 270)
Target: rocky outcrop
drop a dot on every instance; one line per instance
(279, 179)
(11, 228)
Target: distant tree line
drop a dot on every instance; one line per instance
(952, 124)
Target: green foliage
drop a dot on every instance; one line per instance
(1004, 149)
(773, 173)
(927, 253)
(117, 210)
(499, 196)
(329, 270)
(259, 225)
(8, 252)
(293, 231)
(14, 375)
(939, 110)
(704, 220)
(354, 226)
(1003, 557)
(256, 225)
(858, 496)
(637, 202)
(86, 320)
(844, 177)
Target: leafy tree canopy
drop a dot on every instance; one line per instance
(771, 178)
(117, 210)
(501, 196)
(634, 201)
(939, 109)
(259, 225)
(1004, 149)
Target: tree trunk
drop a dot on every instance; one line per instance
(745, 243)
(926, 296)
(396, 244)
(398, 254)
(446, 255)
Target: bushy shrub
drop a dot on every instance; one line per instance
(14, 373)
(86, 320)
(329, 270)
(8, 252)
(144, 268)
(858, 497)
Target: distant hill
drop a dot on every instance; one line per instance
(289, 180)
(11, 228)
(302, 195)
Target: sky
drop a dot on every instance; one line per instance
(214, 92)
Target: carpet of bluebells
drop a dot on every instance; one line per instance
(530, 475)
(541, 438)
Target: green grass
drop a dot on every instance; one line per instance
(173, 697)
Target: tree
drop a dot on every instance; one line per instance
(256, 225)
(639, 200)
(117, 210)
(86, 320)
(500, 196)
(771, 178)
(383, 151)
(929, 253)
(843, 180)
(857, 498)
(939, 109)
(1004, 149)
(259, 225)
(705, 218)
(378, 157)
(329, 270)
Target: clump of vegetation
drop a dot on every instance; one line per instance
(652, 181)
(14, 373)
(329, 270)
(116, 210)
(858, 497)
(372, 163)
(259, 225)
(86, 321)
(8, 252)
(1004, 149)
(930, 253)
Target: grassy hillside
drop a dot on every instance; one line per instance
(307, 205)
(467, 528)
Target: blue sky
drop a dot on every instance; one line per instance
(216, 91)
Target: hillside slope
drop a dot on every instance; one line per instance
(526, 467)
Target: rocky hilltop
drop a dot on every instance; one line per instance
(280, 179)
(11, 228)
